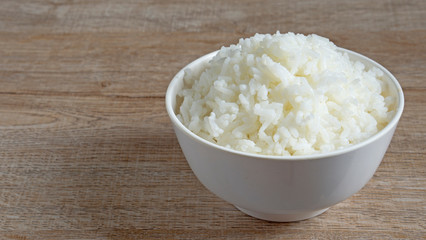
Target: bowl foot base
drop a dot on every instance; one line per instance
(282, 217)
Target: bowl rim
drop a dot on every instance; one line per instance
(394, 121)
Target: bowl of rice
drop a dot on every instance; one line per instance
(284, 126)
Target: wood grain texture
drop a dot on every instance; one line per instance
(86, 147)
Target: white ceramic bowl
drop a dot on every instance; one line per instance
(278, 188)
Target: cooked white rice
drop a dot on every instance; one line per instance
(285, 94)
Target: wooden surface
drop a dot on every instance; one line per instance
(86, 147)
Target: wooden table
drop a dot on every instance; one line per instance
(87, 150)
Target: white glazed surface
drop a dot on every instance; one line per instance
(279, 188)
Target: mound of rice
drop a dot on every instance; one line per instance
(285, 94)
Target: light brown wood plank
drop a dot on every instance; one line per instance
(21, 115)
(142, 64)
(201, 16)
